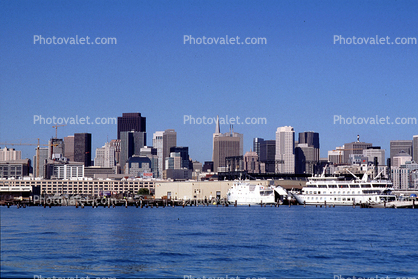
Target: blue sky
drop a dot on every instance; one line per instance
(300, 78)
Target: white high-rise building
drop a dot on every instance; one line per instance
(163, 141)
(105, 156)
(10, 154)
(371, 153)
(285, 150)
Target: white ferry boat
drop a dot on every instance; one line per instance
(337, 191)
(245, 193)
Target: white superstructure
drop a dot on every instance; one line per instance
(336, 191)
(245, 193)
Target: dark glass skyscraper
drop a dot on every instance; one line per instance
(131, 122)
(82, 148)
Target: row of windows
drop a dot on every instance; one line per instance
(347, 186)
(331, 199)
(331, 192)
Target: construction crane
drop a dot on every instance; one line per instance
(56, 129)
(31, 144)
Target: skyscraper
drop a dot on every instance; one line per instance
(131, 143)
(352, 148)
(184, 154)
(82, 148)
(157, 143)
(266, 151)
(43, 156)
(163, 141)
(169, 140)
(105, 156)
(307, 153)
(131, 122)
(225, 145)
(285, 150)
(55, 148)
(69, 147)
(397, 146)
(415, 148)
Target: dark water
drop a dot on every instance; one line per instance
(210, 241)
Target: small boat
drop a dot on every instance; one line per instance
(393, 201)
(245, 193)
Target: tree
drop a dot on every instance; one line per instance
(143, 191)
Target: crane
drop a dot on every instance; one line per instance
(31, 144)
(56, 129)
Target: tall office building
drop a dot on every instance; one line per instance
(157, 143)
(82, 148)
(169, 141)
(307, 153)
(69, 148)
(415, 148)
(397, 146)
(131, 122)
(43, 156)
(226, 145)
(105, 156)
(312, 140)
(285, 150)
(10, 154)
(266, 151)
(251, 162)
(375, 152)
(131, 143)
(55, 148)
(184, 155)
(257, 147)
(354, 148)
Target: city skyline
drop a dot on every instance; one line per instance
(300, 77)
(323, 153)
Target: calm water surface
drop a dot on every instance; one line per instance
(212, 241)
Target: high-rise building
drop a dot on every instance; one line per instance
(257, 143)
(116, 144)
(400, 159)
(266, 151)
(184, 154)
(355, 148)
(163, 141)
(69, 148)
(131, 122)
(43, 157)
(55, 148)
(157, 143)
(375, 152)
(285, 150)
(10, 154)
(226, 145)
(405, 177)
(251, 162)
(397, 146)
(131, 143)
(307, 153)
(336, 156)
(415, 148)
(306, 159)
(105, 156)
(169, 140)
(82, 148)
